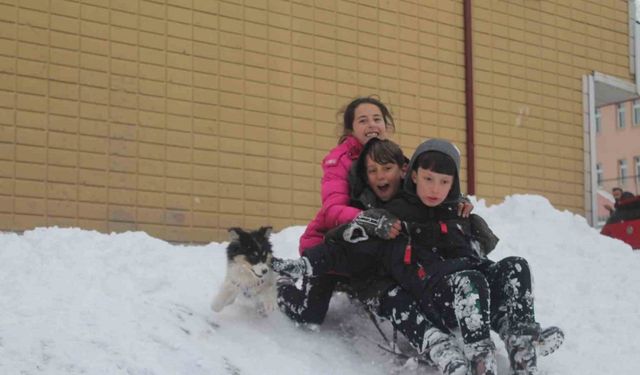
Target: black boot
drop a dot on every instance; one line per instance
(482, 355)
(294, 268)
(519, 342)
(548, 341)
(446, 353)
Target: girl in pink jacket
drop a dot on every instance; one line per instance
(363, 119)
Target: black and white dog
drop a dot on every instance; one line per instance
(248, 270)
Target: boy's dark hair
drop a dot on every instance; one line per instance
(381, 151)
(384, 151)
(348, 114)
(437, 162)
(616, 188)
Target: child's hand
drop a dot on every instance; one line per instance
(395, 229)
(378, 222)
(464, 207)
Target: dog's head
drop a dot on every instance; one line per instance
(251, 248)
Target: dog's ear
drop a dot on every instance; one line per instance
(265, 231)
(234, 233)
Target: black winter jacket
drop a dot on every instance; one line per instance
(454, 248)
(441, 241)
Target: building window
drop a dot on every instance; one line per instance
(621, 116)
(599, 174)
(622, 172)
(637, 163)
(598, 120)
(636, 112)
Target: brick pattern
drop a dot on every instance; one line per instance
(530, 57)
(184, 117)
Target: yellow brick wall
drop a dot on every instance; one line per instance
(184, 117)
(530, 57)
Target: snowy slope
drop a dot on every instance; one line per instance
(81, 302)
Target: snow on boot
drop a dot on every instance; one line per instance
(446, 353)
(283, 280)
(548, 341)
(294, 268)
(522, 354)
(482, 355)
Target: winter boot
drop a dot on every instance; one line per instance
(548, 340)
(446, 353)
(294, 268)
(482, 355)
(522, 354)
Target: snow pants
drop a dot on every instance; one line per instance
(498, 297)
(308, 302)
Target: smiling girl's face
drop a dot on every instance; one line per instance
(368, 123)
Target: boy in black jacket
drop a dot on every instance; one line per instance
(445, 269)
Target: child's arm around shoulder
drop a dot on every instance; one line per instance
(482, 233)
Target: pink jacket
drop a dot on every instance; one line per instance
(335, 193)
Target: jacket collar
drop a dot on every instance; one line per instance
(353, 146)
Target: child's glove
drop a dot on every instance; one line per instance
(373, 222)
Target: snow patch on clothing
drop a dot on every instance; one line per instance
(466, 303)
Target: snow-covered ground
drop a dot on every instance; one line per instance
(81, 302)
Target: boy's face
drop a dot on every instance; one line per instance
(432, 188)
(384, 179)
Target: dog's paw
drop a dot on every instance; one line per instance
(269, 306)
(265, 307)
(225, 296)
(217, 306)
(261, 311)
(219, 303)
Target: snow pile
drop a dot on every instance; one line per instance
(81, 302)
